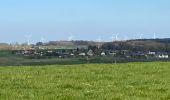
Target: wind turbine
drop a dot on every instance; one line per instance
(42, 39)
(28, 38)
(99, 41)
(140, 36)
(154, 36)
(70, 38)
(115, 36)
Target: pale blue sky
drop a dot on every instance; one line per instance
(84, 19)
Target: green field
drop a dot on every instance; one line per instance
(131, 81)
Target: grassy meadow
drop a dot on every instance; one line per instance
(131, 81)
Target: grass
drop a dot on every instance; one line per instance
(131, 81)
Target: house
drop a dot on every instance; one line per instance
(151, 53)
(72, 54)
(103, 54)
(82, 54)
(163, 56)
(139, 55)
(113, 53)
(41, 48)
(50, 51)
(124, 52)
(90, 53)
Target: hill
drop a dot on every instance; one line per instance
(139, 45)
(142, 43)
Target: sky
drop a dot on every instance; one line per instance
(45, 20)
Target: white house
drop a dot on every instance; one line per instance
(71, 54)
(82, 54)
(103, 54)
(112, 53)
(163, 56)
(151, 53)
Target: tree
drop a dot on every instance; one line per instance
(39, 43)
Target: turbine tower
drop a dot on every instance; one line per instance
(115, 36)
(70, 38)
(99, 41)
(154, 36)
(28, 38)
(42, 39)
(140, 36)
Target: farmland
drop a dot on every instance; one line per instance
(132, 81)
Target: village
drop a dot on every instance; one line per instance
(97, 52)
(79, 52)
